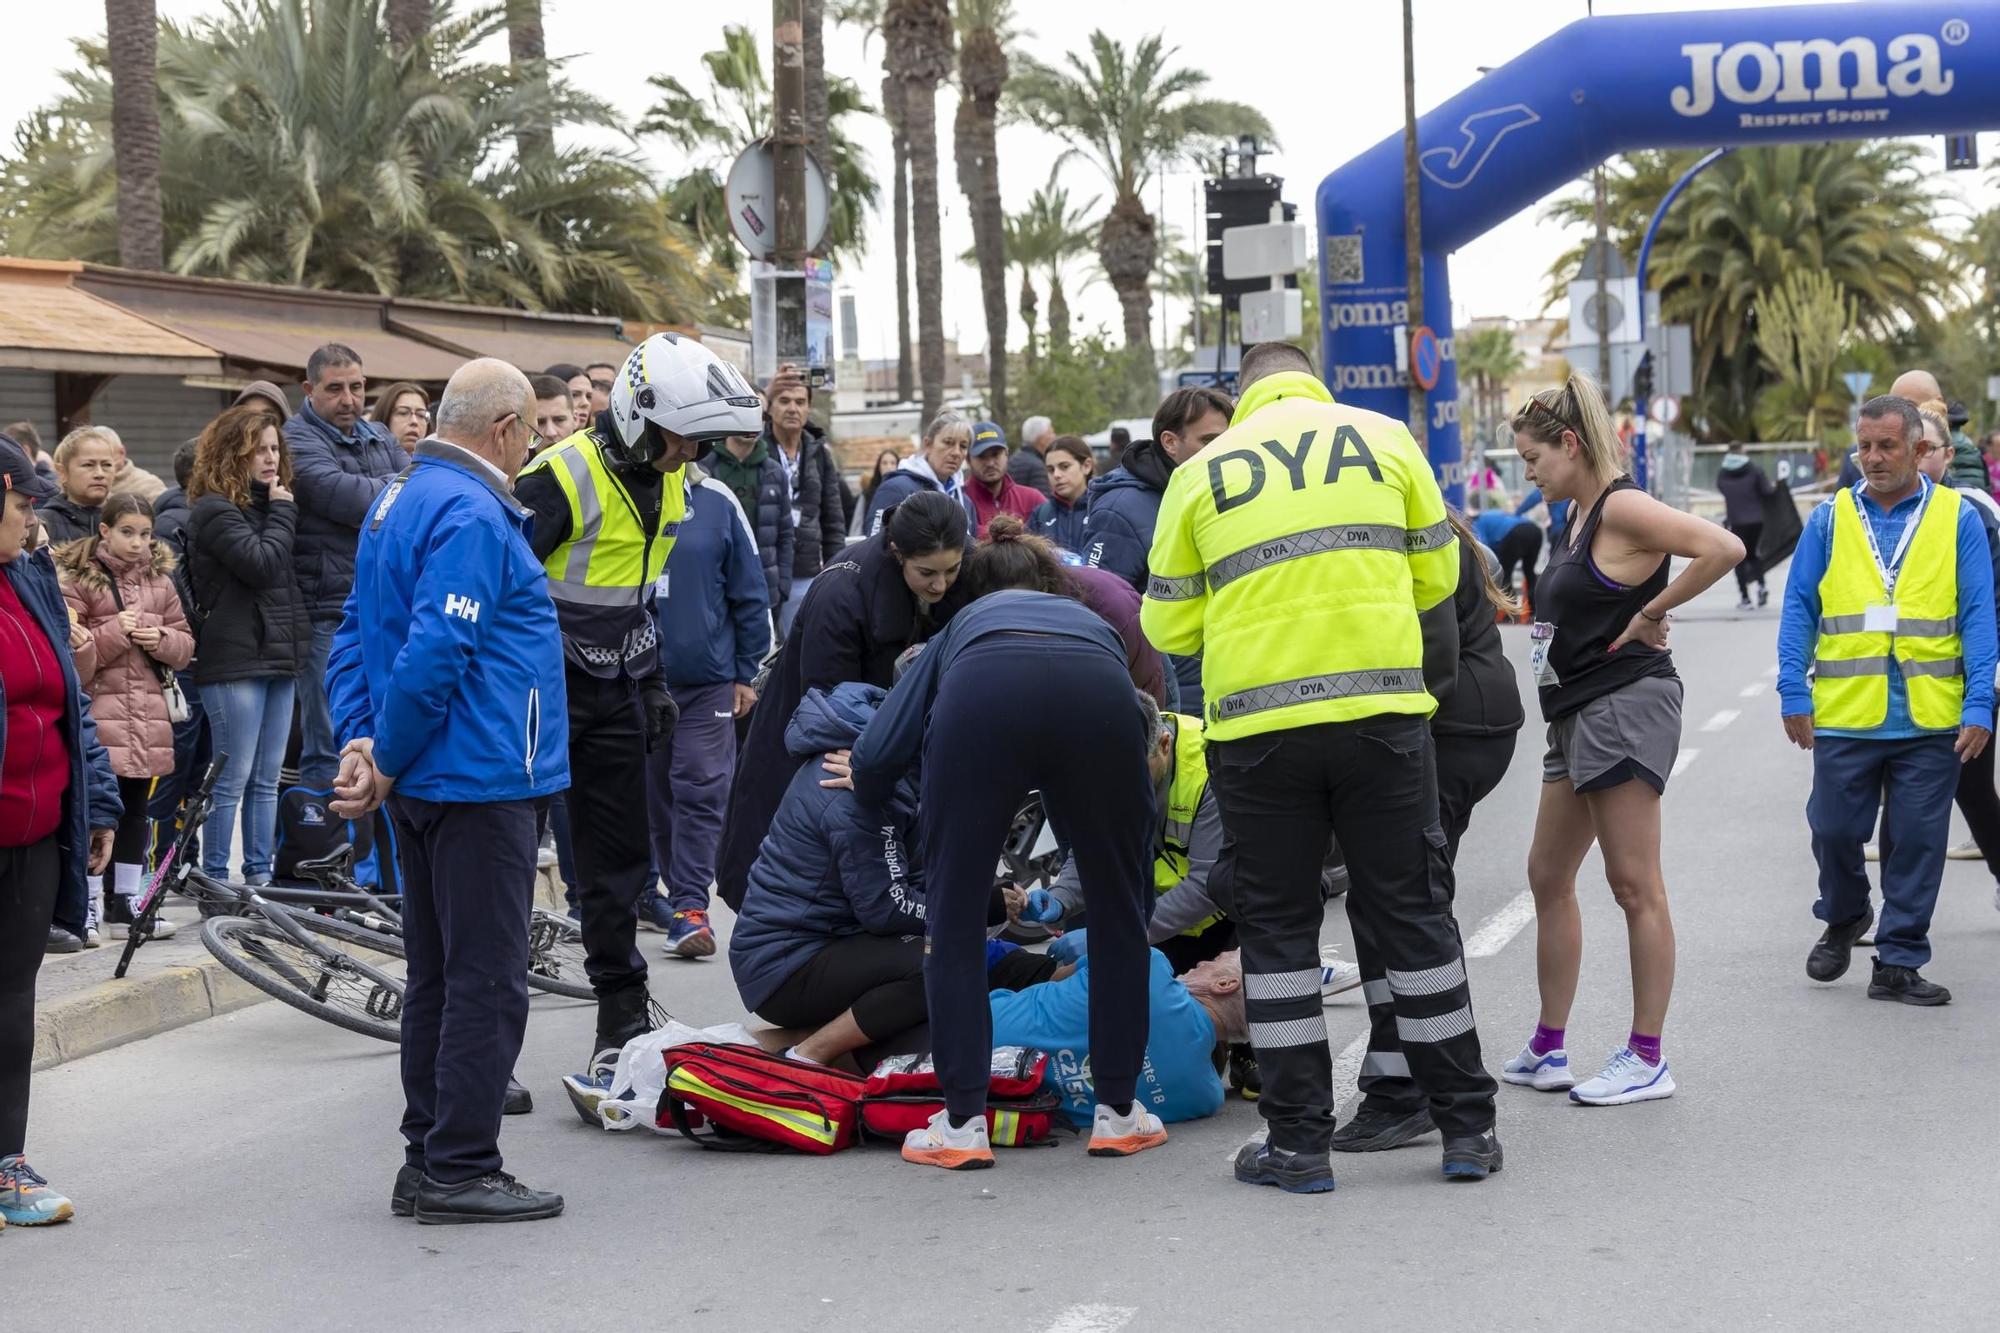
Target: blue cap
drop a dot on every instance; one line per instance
(986, 437)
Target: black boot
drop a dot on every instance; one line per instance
(519, 1100)
(1829, 958)
(493, 1197)
(1471, 1156)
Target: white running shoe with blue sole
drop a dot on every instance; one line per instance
(1626, 1078)
(1544, 1073)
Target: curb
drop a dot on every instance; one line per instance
(113, 1013)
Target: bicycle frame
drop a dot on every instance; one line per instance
(174, 867)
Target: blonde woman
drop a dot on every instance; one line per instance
(933, 467)
(1612, 700)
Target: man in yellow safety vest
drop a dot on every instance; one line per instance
(1295, 553)
(1890, 605)
(608, 501)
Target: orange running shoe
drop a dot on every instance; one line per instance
(1114, 1135)
(938, 1144)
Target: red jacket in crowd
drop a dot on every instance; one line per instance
(1013, 498)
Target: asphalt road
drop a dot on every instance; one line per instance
(1825, 1164)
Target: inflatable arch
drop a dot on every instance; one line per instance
(1602, 86)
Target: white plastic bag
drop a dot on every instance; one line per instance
(642, 1074)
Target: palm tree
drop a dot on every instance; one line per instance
(1041, 240)
(1862, 212)
(1129, 114)
(1489, 359)
(867, 15)
(407, 20)
(132, 37)
(985, 29)
(812, 14)
(735, 110)
(919, 48)
(528, 53)
(1802, 329)
(298, 148)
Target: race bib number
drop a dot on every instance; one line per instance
(1541, 637)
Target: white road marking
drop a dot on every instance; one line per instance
(1681, 761)
(1093, 1319)
(1771, 671)
(1498, 931)
(1752, 690)
(1347, 1071)
(1721, 719)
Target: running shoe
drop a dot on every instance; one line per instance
(1743, 603)
(1378, 1129)
(654, 914)
(1471, 1156)
(1258, 1163)
(1965, 851)
(1626, 1078)
(1905, 985)
(1548, 1072)
(689, 935)
(92, 937)
(26, 1199)
(1763, 594)
(61, 941)
(1336, 974)
(1114, 1135)
(590, 1094)
(163, 929)
(938, 1144)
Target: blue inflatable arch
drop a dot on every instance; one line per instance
(1602, 86)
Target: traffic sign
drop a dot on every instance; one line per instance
(751, 197)
(1857, 382)
(1426, 357)
(1664, 409)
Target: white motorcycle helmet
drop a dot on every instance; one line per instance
(670, 383)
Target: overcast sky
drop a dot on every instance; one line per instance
(1330, 84)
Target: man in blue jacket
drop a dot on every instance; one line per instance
(446, 678)
(1188, 1017)
(340, 463)
(715, 628)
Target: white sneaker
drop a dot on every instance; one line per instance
(1965, 851)
(1544, 1073)
(1114, 1135)
(1336, 974)
(1626, 1078)
(938, 1144)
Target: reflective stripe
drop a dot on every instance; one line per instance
(1293, 1032)
(1376, 992)
(1948, 666)
(1006, 1128)
(1914, 629)
(590, 520)
(1317, 689)
(1163, 589)
(1437, 537)
(1439, 1027)
(1177, 832)
(1386, 1064)
(1430, 981)
(1850, 666)
(1280, 985)
(815, 1127)
(584, 594)
(1346, 537)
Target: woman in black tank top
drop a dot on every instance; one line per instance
(1612, 701)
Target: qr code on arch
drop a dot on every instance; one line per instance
(1343, 260)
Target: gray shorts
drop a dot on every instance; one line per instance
(1633, 732)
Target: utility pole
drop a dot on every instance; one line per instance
(1413, 223)
(1603, 306)
(789, 134)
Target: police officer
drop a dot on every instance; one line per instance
(1295, 552)
(447, 630)
(607, 502)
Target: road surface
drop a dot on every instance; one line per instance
(1826, 1163)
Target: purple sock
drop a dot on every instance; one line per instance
(1546, 1039)
(1646, 1048)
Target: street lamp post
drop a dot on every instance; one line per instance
(1639, 459)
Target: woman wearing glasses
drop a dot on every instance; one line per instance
(1612, 700)
(406, 411)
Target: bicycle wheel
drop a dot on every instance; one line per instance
(555, 956)
(335, 985)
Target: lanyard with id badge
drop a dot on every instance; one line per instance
(1882, 617)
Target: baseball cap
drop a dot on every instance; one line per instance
(986, 437)
(17, 472)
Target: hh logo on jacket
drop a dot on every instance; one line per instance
(462, 607)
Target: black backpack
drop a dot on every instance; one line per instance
(309, 830)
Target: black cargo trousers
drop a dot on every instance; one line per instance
(1371, 783)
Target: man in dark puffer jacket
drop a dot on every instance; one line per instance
(749, 467)
(819, 512)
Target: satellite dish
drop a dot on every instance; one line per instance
(751, 195)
